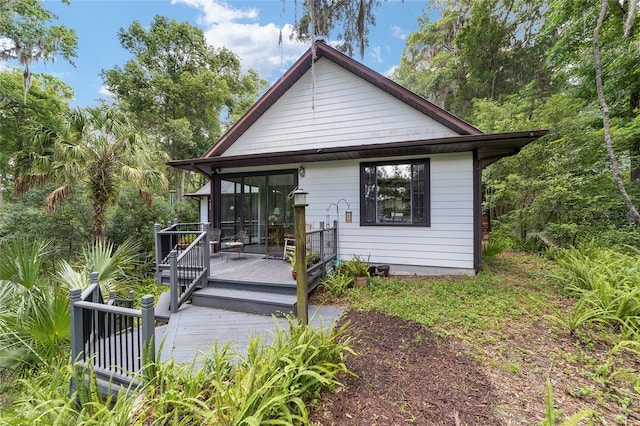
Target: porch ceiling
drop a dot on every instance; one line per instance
(490, 148)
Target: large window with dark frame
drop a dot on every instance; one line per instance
(395, 193)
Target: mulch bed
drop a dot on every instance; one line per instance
(405, 375)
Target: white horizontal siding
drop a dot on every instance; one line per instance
(345, 111)
(447, 243)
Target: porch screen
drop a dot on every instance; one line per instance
(395, 193)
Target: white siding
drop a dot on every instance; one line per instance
(447, 243)
(346, 110)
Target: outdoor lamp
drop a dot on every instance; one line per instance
(300, 197)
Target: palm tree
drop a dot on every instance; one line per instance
(103, 149)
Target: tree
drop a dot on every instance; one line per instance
(178, 87)
(321, 17)
(104, 150)
(605, 111)
(476, 49)
(26, 35)
(571, 58)
(43, 109)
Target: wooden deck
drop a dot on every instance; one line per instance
(250, 267)
(194, 330)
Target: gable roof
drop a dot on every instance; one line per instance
(303, 65)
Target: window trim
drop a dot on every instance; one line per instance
(427, 198)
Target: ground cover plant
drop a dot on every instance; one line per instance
(271, 384)
(480, 350)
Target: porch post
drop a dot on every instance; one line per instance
(299, 203)
(173, 280)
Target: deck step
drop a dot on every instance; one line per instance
(162, 311)
(258, 302)
(253, 285)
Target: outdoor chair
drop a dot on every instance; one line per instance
(214, 242)
(290, 242)
(234, 242)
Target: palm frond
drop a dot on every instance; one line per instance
(21, 262)
(28, 181)
(57, 197)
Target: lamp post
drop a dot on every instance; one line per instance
(299, 204)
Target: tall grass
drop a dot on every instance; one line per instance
(271, 384)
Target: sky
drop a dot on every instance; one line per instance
(249, 28)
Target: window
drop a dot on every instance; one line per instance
(395, 193)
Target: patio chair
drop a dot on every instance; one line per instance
(214, 242)
(234, 242)
(290, 242)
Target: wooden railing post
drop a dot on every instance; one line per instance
(148, 350)
(77, 327)
(93, 278)
(173, 280)
(157, 237)
(322, 231)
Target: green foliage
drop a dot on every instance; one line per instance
(337, 283)
(467, 305)
(67, 230)
(607, 284)
(551, 416)
(178, 86)
(355, 266)
(134, 218)
(114, 266)
(269, 385)
(43, 109)
(477, 49)
(34, 320)
(102, 149)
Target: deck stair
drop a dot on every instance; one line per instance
(267, 298)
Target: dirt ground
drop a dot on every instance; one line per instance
(404, 374)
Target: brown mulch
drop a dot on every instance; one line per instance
(405, 375)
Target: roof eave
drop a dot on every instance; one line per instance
(490, 148)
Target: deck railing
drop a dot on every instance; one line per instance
(117, 342)
(321, 250)
(182, 251)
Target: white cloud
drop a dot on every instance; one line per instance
(255, 43)
(388, 73)
(104, 91)
(398, 32)
(376, 54)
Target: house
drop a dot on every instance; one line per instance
(401, 176)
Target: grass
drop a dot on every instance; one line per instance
(464, 307)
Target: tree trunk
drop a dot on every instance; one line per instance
(605, 116)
